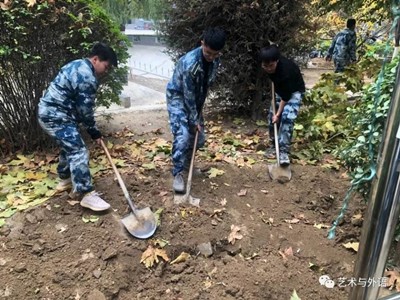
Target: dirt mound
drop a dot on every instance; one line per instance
(251, 238)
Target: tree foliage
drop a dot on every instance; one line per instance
(250, 25)
(119, 10)
(35, 41)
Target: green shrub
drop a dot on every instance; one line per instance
(36, 39)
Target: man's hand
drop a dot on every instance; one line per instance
(275, 118)
(98, 141)
(194, 128)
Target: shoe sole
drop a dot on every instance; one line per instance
(284, 164)
(179, 191)
(93, 208)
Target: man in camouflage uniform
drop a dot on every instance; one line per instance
(69, 100)
(186, 94)
(289, 91)
(343, 47)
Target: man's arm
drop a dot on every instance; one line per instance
(189, 94)
(331, 48)
(352, 47)
(85, 103)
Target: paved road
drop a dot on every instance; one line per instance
(147, 62)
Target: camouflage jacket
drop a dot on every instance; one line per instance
(70, 97)
(343, 46)
(188, 83)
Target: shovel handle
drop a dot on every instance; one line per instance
(120, 181)
(189, 182)
(276, 137)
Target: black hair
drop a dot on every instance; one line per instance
(104, 52)
(351, 23)
(214, 38)
(270, 53)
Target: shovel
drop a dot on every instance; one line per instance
(140, 223)
(276, 171)
(187, 198)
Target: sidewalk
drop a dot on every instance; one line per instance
(140, 98)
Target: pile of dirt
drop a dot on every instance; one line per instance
(251, 238)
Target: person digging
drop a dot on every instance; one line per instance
(289, 91)
(186, 94)
(68, 101)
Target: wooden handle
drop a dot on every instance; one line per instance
(189, 182)
(275, 124)
(120, 181)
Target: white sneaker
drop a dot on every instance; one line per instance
(93, 201)
(64, 185)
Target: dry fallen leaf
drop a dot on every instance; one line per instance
(223, 202)
(393, 280)
(181, 258)
(292, 221)
(320, 226)
(242, 193)
(354, 246)
(287, 253)
(234, 235)
(150, 256)
(31, 2)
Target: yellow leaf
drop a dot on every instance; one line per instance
(320, 226)
(157, 215)
(150, 256)
(161, 242)
(354, 246)
(20, 161)
(35, 175)
(181, 258)
(213, 172)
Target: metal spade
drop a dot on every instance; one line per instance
(140, 223)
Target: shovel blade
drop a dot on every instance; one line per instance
(186, 198)
(142, 224)
(280, 173)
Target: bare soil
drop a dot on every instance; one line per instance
(50, 253)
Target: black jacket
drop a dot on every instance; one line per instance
(287, 79)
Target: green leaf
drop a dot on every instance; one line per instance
(157, 215)
(294, 296)
(261, 123)
(239, 121)
(8, 212)
(91, 218)
(150, 166)
(2, 222)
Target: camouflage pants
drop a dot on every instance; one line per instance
(286, 121)
(340, 64)
(74, 156)
(182, 145)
